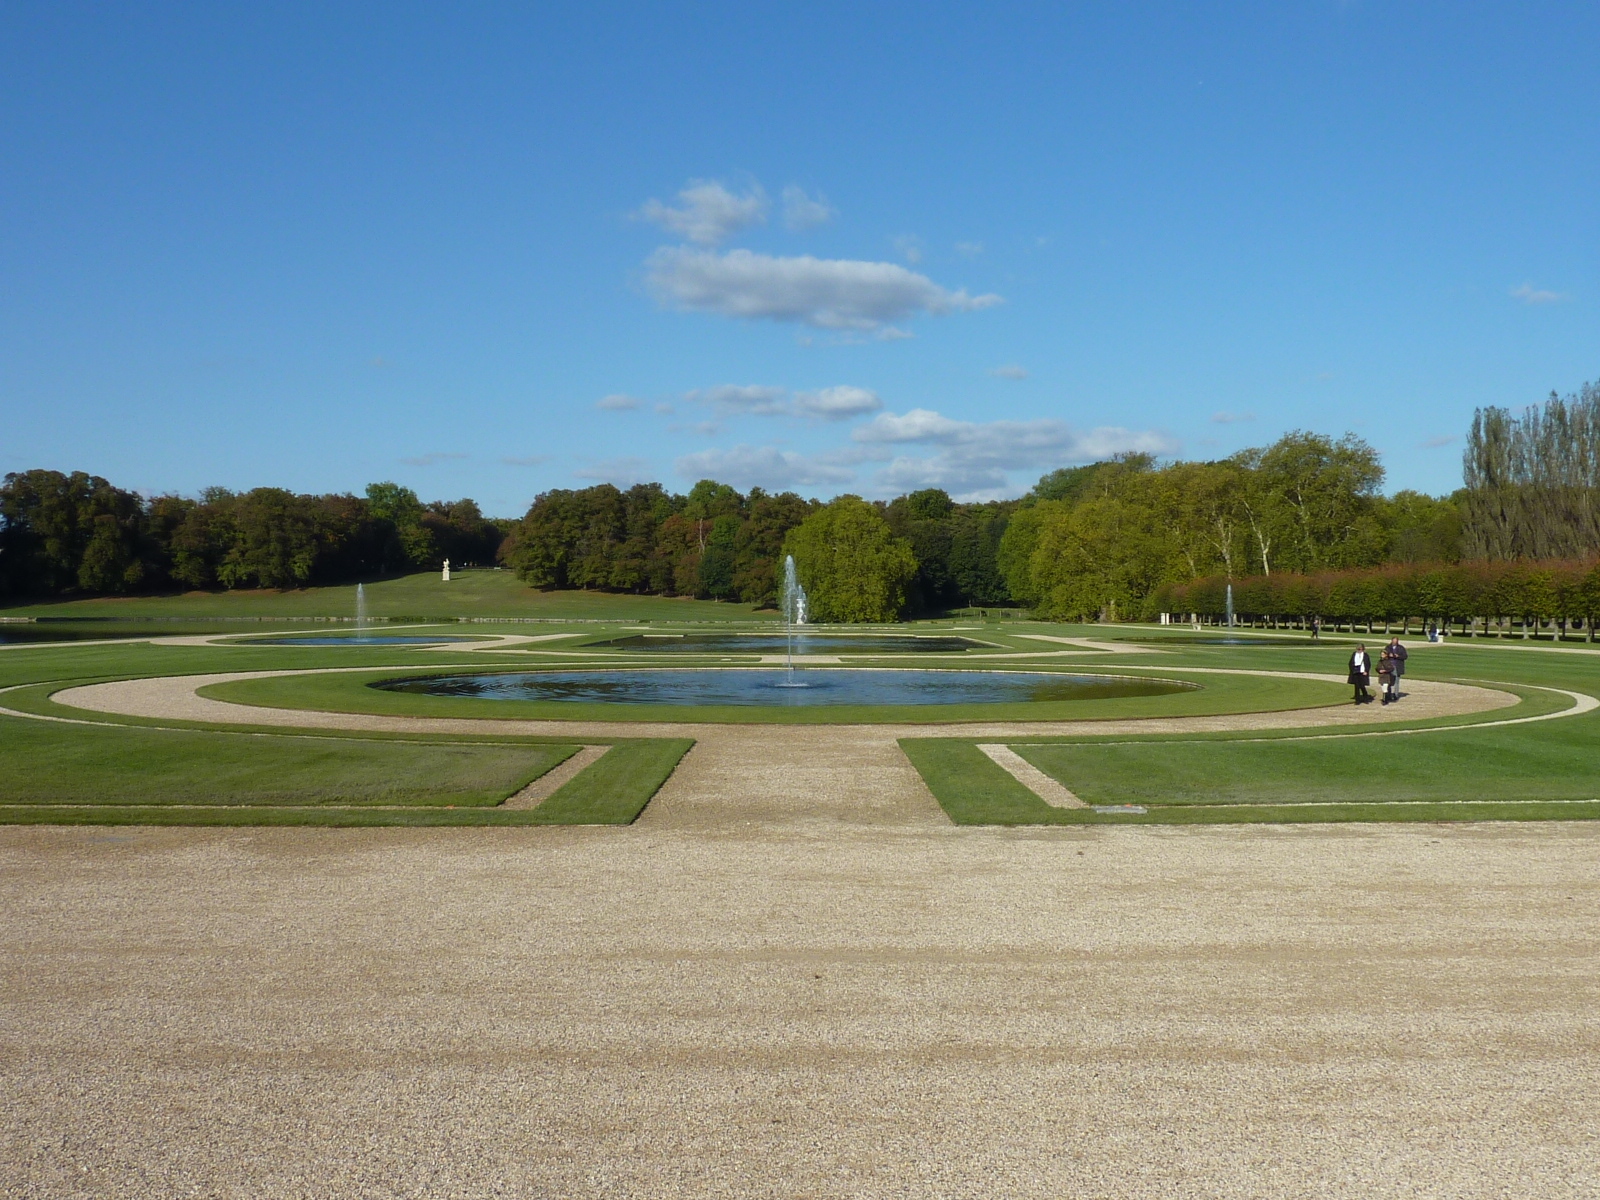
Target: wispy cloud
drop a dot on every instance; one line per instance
(707, 212)
(837, 403)
(623, 472)
(618, 402)
(802, 212)
(1231, 418)
(1529, 294)
(975, 459)
(909, 247)
(840, 294)
(969, 249)
(431, 458)
(1009, 371)
(1434, 443)
(743, 400)
(765, 466)
(525, 460)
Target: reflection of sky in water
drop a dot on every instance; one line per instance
(755, 687)
(777, 643)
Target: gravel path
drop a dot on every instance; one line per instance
(811, 1007)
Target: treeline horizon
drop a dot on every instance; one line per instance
(1098, 541)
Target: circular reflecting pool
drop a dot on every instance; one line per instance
(777, 643)
(735, 686)
(352, 639)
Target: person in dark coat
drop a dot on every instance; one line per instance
(1396, 653)
(1361, 673)
(1386, 676)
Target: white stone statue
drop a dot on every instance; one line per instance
(447, 570)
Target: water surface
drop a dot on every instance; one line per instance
(753, 686)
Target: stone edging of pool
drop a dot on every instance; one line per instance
(176, 698)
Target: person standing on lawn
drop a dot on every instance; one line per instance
(1361, 673)
(1394, 650)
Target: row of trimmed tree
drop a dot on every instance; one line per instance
(1484, 597)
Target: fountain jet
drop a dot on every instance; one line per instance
(794, 613)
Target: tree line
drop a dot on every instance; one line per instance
(1480, 595)
(78, 533)
(1100, 542)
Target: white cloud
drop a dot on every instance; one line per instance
(764, 466)
(1231, 418)
(664, 409)
(1529, 294)
(838, 403)
(623, 472)
(1009, 371)
(802, 212)
(432, 457)
(969, 249)
(918, 425)
(526, 460)
(617, 402)
(843, 294)
(749, 399)
(708, 213)
(975, 459)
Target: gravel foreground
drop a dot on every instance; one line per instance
(792, 1005)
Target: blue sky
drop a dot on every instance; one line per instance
(486, 251)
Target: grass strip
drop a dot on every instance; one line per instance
(973, 790)
(614, 789)
(971, 787)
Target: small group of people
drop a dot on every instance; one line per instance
(1391, 668)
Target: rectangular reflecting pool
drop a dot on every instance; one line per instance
(804, 643)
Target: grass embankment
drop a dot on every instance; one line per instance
(468, 594)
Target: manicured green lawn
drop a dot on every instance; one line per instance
(1459, 769)
(103, 769)
(614, 789)
(151, 769)
(468, 594)
(51, 763)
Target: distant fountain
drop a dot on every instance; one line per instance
(1230, 606)
(794, 613)
(361, 612)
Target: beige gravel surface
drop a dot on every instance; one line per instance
(797, 1004)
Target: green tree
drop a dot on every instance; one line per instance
(399, 506)
(850, 562)
(1329, 490)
